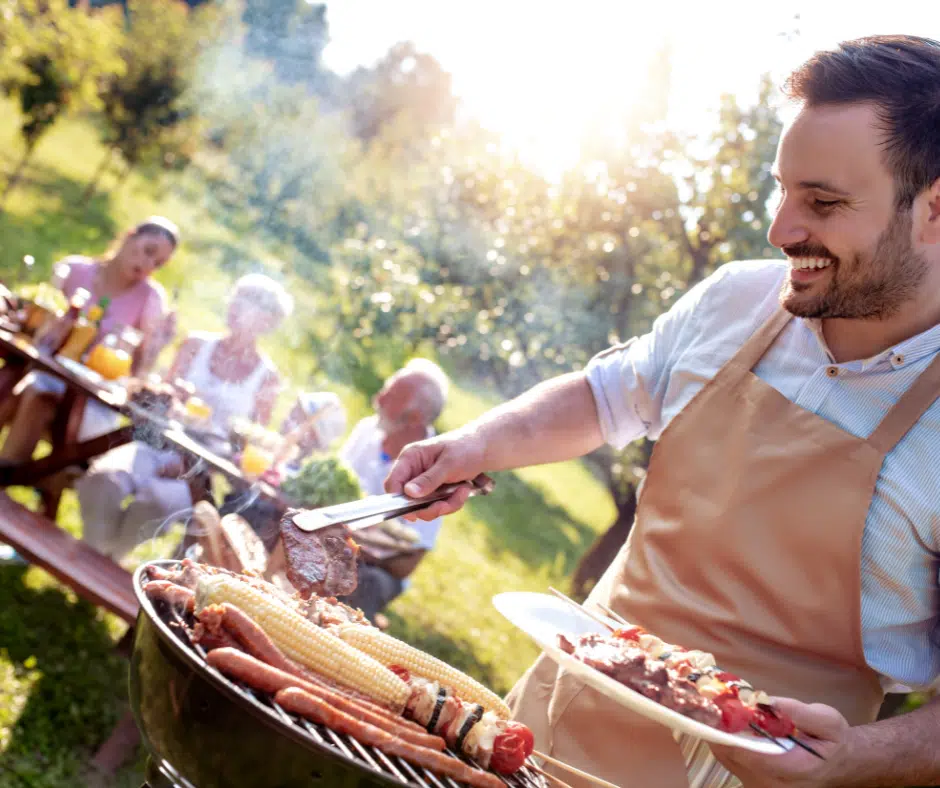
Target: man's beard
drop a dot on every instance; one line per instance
(869, 287)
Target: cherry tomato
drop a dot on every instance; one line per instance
(775, 723)
(735, 716)
(511, 748)
(723, 675)
(630, 633)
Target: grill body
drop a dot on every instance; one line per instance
(202, 730)
(214, 740)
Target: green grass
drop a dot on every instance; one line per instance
(61, 686)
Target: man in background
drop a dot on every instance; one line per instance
(407, 405)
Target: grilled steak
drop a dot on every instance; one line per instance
(320, 562)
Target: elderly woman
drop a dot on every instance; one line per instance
(124, 276)
(231, 375)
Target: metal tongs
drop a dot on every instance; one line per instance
(379, 508)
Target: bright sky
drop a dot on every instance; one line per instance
(539, 70)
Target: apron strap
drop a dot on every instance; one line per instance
(759, 343)
(908, 409)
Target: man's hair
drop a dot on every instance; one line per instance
(434, 387)
(900, 76)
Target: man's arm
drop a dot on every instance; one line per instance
(893, 753)
(900, 751)
(554, 421)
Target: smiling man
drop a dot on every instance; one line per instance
(790, 520)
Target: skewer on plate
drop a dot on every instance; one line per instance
(589, 613)
(613, 616)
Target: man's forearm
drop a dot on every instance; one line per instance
(897, 752)
(555, 421)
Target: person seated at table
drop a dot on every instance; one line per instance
(407, 405)
(124, 274)
(233, 377)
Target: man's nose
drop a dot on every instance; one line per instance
(787, 228)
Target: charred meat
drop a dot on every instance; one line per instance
(322, 562)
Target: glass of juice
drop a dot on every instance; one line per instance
(109, 361)
(255, 460)
(198, 410)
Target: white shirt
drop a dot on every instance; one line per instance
(640, 386)
(229, 400)
(364, 454)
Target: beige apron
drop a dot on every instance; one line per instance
(747, 544)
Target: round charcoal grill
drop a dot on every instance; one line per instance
(203, 730)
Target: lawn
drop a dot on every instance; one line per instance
(61, 687)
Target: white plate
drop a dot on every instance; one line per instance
(81, 370)
(543, 618)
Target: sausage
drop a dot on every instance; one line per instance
(157, 573)
(306, 705)
(211, 639)
(253, 639)
(266, 678)
(172, 594)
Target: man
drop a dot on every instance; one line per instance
(408, 404)
(789, 518)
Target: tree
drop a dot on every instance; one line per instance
(514, 279)
(404, 82)
(291, 34)
(59, 57)
(145, 107)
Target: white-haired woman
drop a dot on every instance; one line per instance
(231, 375)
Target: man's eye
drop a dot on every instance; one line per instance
(824, 204)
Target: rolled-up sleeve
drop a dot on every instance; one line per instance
(629, 381)
(617, 385)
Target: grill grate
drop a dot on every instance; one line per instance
(363, 755)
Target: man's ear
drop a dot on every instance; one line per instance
(414, 417)
(929, 230)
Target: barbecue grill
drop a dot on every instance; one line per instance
(203, 730)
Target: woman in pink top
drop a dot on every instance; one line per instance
(122, 275)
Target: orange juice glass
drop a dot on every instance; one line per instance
(197, 409)
(256, 460)
(111, 363)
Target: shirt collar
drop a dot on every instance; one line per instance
(910, 350)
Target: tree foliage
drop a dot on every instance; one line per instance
(146, 106)
(418, 228)
(53, 59)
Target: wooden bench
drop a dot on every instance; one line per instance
(90, 574)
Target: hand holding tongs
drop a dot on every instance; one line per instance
(379, 508)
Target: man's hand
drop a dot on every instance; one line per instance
(822, 727)
(424, 466)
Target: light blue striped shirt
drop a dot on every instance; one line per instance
(640, 386)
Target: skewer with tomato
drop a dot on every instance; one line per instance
(740, 704)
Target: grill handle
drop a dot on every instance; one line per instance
(378, 508)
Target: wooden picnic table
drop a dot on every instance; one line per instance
(67, 450)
